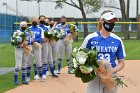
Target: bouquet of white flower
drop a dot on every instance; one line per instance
(58, 34)
(87, 67)
(84, 63)
(18, 38)
(73, 32)
(48, 34)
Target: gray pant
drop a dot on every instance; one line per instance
(21, 58)
(53, 44)
(44, 54)
(37, 57)
(96, 86)
(64, 47)
(49, 57)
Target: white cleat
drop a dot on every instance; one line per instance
(44, 76)
(36, 77)
(48, 73)
(42, 79)
(55, 72)
(58, 72)
(28, 79)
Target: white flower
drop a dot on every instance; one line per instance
(90, 69)
(81, 57)
(59, 35)
(20, 33)
(19, 39)
(14, 34)
(82, 60)
(49, 32)
(74, 62)
(75, 49)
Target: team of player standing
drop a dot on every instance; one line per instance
(45, 56)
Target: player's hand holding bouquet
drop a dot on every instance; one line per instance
(87, 67)
(19, 39)
(73, 32)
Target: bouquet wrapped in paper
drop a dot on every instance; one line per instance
(73, 32)
(35, 44)
(19, 39)
(58, 34)
(87, 67)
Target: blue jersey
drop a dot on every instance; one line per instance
(108, 48)
(66, 28)
(27, 35)
(44, 27)
(38, 33)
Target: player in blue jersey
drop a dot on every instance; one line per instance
(109, 47)
(64, 46)
(37, 37)
(53, 43)
(46, 48)
(21, 57)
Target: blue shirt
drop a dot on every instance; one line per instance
(108, 48)
(38, 33)
(66, 28)
(28, 36)
(44, 27)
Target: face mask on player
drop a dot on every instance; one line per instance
(23, 28)
(34, 23)
(63, 23)
(108, 26)
(46, 24)
(51, 25)
(42, 22)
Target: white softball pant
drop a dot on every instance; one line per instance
(49, 57)
(64, 47)
(44, 54)
(37, 57)
(53, 44)
(96, 86)
(21, 58)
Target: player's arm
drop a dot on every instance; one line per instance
(120, 56)
(119, 67)
(85, 43)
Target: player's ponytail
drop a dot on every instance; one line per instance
(99, 26)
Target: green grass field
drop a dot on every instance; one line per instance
(7, 60)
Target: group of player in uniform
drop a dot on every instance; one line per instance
(45, 57)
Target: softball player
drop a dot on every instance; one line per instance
(44, 46)
(53, 43)
(38, 35)
(63, 46)
(50, 57)
(21, 57)
(109, 47)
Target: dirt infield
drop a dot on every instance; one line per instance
(67, 83)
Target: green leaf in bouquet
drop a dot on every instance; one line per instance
(73, 55)
(47, 35)
(120, 83)
(84, 77)
(86, 50)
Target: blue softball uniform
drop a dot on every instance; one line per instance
(28, 36)
(38, 33)
(108, 48)
(45, 28)
(66, 28)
